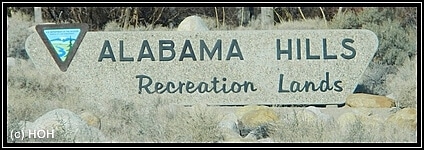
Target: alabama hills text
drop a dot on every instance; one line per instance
(168, 51)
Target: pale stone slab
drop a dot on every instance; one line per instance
(254, 59)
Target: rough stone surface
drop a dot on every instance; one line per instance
(192, 23)
(67, 126)
(256, 121)
(349, 121)
(369, 101)
(319, 116)
(238, 140)
(102, 80)
(266, 140)
(406, 118)
(256, 115)
(229, 123)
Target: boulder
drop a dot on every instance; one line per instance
(315, 114)
(350, 120)
(405, 118)
(229, 123)
(369, 101)
(66, 126)
(192, 23)
(256, 120)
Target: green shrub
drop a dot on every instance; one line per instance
(396, 41)
(348, 20)
(395, 44)
(396, 32)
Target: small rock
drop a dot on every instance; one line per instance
(91, 119)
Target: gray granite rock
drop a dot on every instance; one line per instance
(192, 23)
(255, 67)
(64, 126)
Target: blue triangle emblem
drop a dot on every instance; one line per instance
(62, 41)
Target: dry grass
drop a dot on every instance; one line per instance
(403, 84)
(160, 122)
(31, 94)
(298, 127)
(17, 31)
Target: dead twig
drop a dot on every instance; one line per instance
(242, 13)
(323, 15)
(135, 18)
(223, 17)
(127, 17)
(278, 15)
(216, 16)
(300, 10)
(157, 18)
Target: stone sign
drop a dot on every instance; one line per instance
(215, 67)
